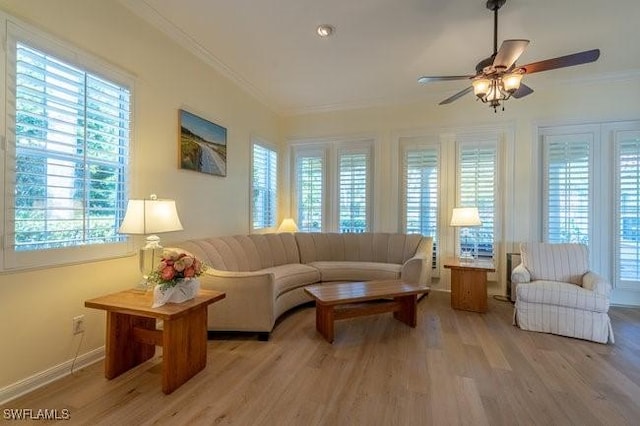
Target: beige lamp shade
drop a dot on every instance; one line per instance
(465, 216)
(150, 216)
(288, 225)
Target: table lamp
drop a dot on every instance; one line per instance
(150, 217)
(288, 225)
(465, 217)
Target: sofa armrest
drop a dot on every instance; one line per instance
(520, 274)
(417, 270)
(249, 304)
(597, 283)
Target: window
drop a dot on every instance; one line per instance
(567, 188)
(420, 192)
(627, 233)
(477, 180)
(68, 148)
(264, 187)
(353, 191)
(333, 186)
(310, 190)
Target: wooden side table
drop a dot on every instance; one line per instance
(469, 284)
(132, 335)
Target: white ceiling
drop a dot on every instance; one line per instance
(380, 47)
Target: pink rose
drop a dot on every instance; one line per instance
(189, 272)
(168, 273)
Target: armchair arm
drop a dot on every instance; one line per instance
(597, 283)
(249, 304)
(520, 274)
(417, 270)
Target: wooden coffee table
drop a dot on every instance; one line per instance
(349, 300)
(132, 336)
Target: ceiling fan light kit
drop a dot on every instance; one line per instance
(498, 78)
(496, 89)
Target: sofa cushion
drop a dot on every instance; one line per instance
(562, 294)
(364, 247)
(288, 277)
(245, 253)
(556, 262)
(356, 271)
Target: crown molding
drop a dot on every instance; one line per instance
(143, 10)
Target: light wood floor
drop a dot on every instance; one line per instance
(455, 367)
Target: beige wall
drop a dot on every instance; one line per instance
(36, 308)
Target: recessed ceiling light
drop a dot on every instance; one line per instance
(324, 30)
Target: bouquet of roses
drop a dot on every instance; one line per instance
(174, 267)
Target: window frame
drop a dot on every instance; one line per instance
(618, 282)
(329, 150)
(273, 149)
(312, 151)
(577, 138)
(417, 145)
(19, 32)
(365, 148)
(481, 141)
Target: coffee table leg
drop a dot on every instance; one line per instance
(407, 311)
(324, 321)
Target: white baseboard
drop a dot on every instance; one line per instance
(52, 374)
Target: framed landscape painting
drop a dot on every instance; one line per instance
(203, 145)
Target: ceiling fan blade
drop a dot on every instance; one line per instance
(562, 61)
(509, 52)
(522, 91)
(426, 79)
(456, 96)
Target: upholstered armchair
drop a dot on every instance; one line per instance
(557, 293)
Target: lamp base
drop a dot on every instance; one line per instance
(142, 286)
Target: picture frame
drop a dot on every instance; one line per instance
(203, 145)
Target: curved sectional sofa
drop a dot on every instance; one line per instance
(264, 275)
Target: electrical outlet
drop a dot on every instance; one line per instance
(78, 324)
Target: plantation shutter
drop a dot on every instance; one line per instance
(420, 193)
(69, 148)
(628, 208)
(567, 188)
(264, 187)
(477, 188)
(353, 191)
(310, 190)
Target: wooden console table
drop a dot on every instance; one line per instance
(132, 336)
(469, 284)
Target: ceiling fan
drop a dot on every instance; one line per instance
(497, 77)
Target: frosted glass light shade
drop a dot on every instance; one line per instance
(511, 82)
(481, 86)
(152, 216)
(465, 216)
(288, 225)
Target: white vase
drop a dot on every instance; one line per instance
(185, 289)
